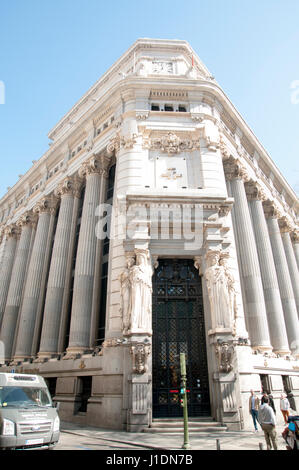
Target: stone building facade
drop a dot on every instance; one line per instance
(155, 224)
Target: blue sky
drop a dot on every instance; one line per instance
(52, 51)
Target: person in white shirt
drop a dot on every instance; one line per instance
(285, 407)
(267, 421)
(254, 404)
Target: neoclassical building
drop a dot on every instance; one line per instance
(155, 224)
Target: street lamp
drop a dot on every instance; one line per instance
(184, 402)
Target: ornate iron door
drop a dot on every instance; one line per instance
(178, 327)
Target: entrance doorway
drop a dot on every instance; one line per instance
(178, 327)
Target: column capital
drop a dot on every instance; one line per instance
(254, 191)
(71, 185)
(284, 225)
(234, 169)
(27, 219)
(47, 204)
(98, 163)
(271, 210)
(11, 231)
(295, 235)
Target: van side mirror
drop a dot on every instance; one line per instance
(57, 405)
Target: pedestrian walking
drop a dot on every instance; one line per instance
(271, 401)
(254, 404)
(267, 421)
(284, 407)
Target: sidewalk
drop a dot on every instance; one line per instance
(244, 440)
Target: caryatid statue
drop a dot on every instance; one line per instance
(220, 284)
(136, 293)
(125, 290)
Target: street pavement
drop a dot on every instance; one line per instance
(228, 440)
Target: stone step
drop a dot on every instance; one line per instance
(176, 426)
(180, 431)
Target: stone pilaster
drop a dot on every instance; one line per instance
(81, 316)
(34, 280)
(11, 235)
(283, 276)
(251, 281)
(277, 329)
(17, 281)
(285, 230)
(58, 269)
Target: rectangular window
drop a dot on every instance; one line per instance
(155, 107)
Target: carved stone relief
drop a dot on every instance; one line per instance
(171, 143)
(224, 352)
(140, 353)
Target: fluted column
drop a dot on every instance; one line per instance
(17, 282)
(69, 275)
(285, 230)
(11, 234)
(276, 323)
(251, 281)
(57, 273)
(283, 276)
(35, 275)
(81, 314)
(95, 310)
(295, 240)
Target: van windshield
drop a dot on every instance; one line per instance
(24, 397)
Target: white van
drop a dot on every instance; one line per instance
(28, 418)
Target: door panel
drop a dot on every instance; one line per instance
(178, 327)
